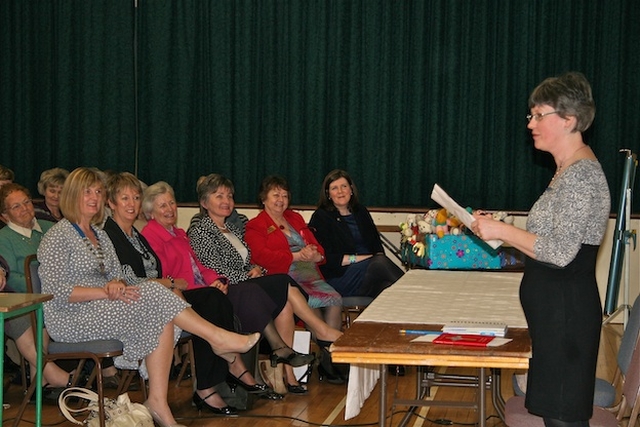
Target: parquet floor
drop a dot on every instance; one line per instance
(324, 404)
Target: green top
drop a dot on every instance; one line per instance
(15, 247)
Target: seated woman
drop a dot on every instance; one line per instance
(219, 243)
(50, 187)
(356, 264)
(257, 302)
(281, 242)
(79, 266)
(19, 239)
(139, 262)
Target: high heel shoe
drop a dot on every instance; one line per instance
(157, 418)
(227, 411)
(230, 352)
(296, 389)
(234, 381)
(294, 358)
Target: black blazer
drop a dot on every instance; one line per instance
(335, 237)
(127, 254)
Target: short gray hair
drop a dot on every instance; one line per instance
(151, 193)
(569, 95)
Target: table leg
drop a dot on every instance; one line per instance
(383, 396)
(39, 349)
(496, 393)
(482, 397)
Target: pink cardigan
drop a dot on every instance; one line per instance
(175, 253)
(269, 246)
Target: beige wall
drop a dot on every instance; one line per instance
(395, 218)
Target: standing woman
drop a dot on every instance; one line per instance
(281, 242)
(565, 227)
(356, 264)
(50, 187)
(79, 266)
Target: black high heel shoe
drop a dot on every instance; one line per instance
(227, 411)
(294, 358)
(234, 382)
(296, 389)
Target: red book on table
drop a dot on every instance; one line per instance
(463, 339)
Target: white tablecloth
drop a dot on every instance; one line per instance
(437, 297)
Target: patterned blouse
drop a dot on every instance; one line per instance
(572, 211)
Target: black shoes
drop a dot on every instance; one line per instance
(227, 411)
(234, 382)
(296, 389)
(294, 358)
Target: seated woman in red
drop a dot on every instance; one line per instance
(256, 309)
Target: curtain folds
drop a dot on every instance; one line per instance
(402, 94)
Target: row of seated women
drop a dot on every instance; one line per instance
(215, 272)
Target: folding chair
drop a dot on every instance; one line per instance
(96, 350)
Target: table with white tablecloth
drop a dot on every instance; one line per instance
(431, 297)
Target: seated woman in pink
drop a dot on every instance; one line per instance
(256, 309)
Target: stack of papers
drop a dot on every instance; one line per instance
(476, 328)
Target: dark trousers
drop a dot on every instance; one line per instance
(215, 307)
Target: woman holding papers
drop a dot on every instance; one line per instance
(564, 230)
(356, 263)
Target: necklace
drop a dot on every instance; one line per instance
(96, 250)
(135, 241)
(222, 228)
(560, 167)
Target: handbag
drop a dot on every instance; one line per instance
(120, 412)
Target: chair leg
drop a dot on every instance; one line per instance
(25, 402)
(192, 364)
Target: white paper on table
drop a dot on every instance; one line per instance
(443, 199)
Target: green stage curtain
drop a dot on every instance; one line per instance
(402, 94)
(66, 86)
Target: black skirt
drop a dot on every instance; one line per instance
(564, 315)
(258, 301)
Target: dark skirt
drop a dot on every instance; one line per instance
(564, 314)
(258, 301)
(367, 278)
(215, 307)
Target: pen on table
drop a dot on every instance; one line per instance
(418, 332)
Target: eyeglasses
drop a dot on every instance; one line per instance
(539, 116)
(25, 204)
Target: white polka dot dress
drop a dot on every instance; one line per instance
(66, 261)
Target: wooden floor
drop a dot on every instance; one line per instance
(324, 404)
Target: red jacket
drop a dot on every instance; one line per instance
(269, 246)
(175, 253)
